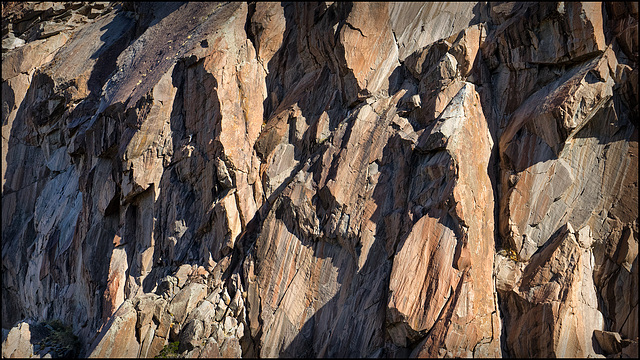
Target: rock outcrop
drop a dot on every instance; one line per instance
(320, 179)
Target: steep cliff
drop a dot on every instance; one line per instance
(320, 179)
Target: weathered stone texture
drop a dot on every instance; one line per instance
(326, 179)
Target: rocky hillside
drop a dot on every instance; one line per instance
(320, 179)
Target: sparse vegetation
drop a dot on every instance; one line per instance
(510, 253)
(169, 351)
(61, 340)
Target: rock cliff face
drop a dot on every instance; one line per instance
(321, 179)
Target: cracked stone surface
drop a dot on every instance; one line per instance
(325, 179)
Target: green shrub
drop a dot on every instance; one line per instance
(170, 350)
(60, 339)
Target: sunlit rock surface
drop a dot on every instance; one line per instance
(321, 179)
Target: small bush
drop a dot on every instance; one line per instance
(510, 253)
(170, 350)
(60, 340)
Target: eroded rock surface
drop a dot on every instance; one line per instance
(321, 179)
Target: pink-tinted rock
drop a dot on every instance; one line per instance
(325, 179)
(370, 68)
(443, 264)
(118, 338)
(267, 27)
(556, 301)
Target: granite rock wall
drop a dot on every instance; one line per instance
(321, 179)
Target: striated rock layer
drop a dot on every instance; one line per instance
(321, 179)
